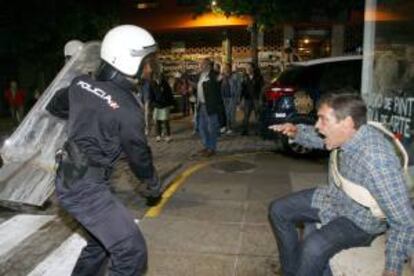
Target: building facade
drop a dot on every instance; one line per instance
(184, 38)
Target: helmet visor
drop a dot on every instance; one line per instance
(145, 51)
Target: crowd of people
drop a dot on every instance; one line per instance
(211, 97)
(240, 87)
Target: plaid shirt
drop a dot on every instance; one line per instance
(368, 159)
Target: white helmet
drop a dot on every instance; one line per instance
(124, 47)
(72, 47)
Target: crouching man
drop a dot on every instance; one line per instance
(366, 196)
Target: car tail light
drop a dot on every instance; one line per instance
(277, 91)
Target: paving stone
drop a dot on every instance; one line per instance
(170, 235)
(177, 263)
(258, 240)
(258, 266)
(204, 210)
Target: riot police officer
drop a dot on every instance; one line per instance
(105, 119)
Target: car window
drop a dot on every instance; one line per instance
(290, 76)
(301, 76)
(311, 76)
(341, 75)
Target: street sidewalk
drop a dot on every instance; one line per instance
(213, 225)
(170, 157)
(214, 221)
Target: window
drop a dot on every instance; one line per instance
(300, 76)
(291, 75)
(341, 75)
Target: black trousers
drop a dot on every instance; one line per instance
(249, 107)
(113, 232)
(166, 124)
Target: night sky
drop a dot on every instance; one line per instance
(33, 34)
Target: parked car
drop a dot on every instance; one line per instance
(292, 97)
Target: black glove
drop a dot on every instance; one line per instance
(152, 197)
(153, 200)
(152, 191)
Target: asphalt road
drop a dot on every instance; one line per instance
(213, 221)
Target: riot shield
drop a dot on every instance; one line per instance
(28, 172)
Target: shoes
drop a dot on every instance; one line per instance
(229, 131)
(209, 153)
(166, 139)
(222, 130)
(202, 152)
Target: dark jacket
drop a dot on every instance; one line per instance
(161, 94)
(225, 87)
(105, 119)
(252, 87)
(212, 96)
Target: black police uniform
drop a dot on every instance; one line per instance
(104, 119)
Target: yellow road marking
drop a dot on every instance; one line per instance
(169, 192)
(179, 181)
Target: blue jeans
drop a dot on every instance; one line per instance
(230, 108)
(310, 256)
(208, 128)
(195, 121)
